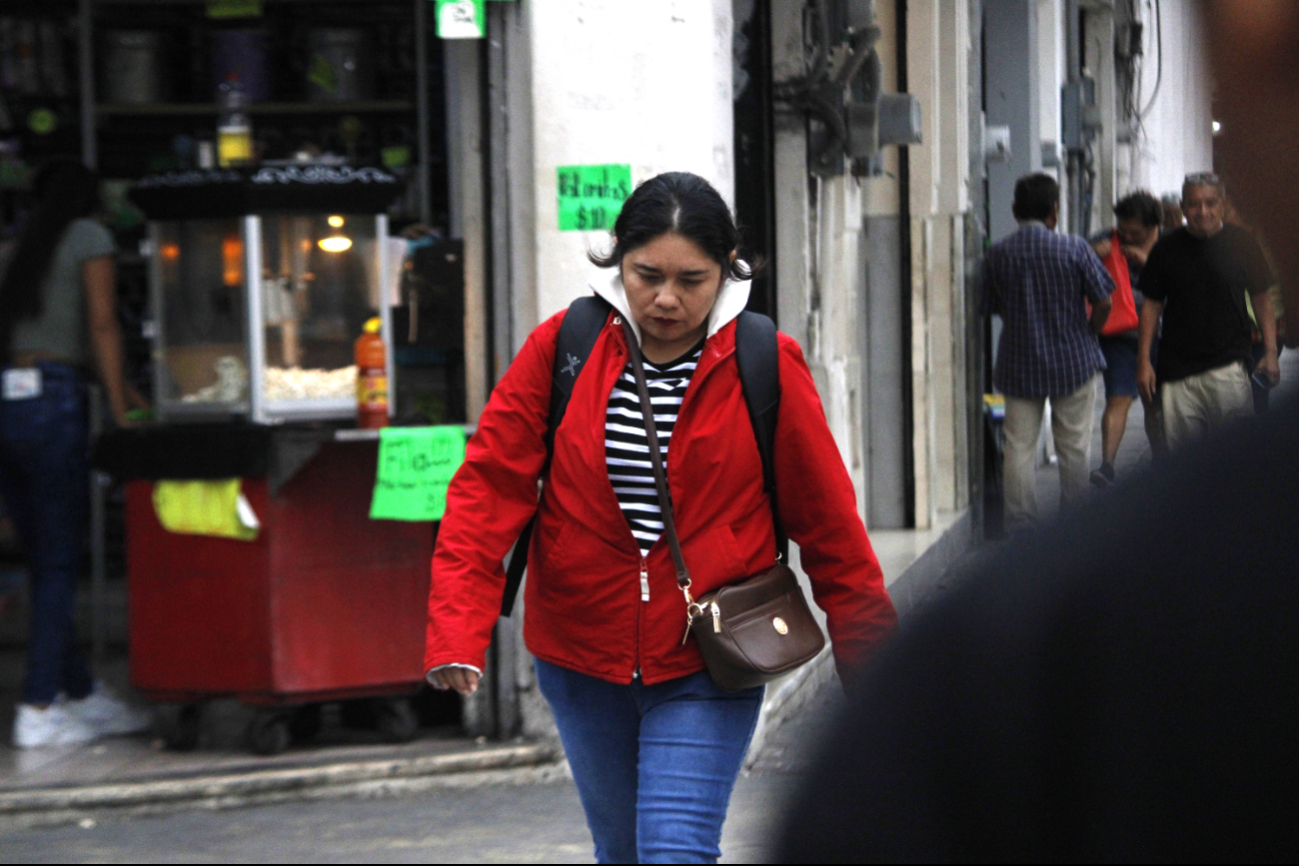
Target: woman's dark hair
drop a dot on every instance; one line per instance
(1142, 206)
(680, 202)
(1036, 196)
(64, 190)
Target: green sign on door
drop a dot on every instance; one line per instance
(591, 196)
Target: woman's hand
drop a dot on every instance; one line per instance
(461, 680)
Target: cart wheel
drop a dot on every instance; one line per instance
(180, 727)
(304, 724)
(268, 732)
(397, 720)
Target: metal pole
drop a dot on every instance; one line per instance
(422, 110)
(86, 70)
(253, 288)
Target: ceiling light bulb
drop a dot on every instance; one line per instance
(335, 244)
(336, 222)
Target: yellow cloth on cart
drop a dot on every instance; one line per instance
(215, 508)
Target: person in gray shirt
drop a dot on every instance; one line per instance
(57, 317)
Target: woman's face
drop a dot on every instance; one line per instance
(671, 285)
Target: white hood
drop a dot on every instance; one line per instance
(731, 301)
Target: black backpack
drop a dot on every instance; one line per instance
(756, 353)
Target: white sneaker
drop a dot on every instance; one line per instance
(52, 726)
(108, 715)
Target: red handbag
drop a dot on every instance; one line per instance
(1123, 313)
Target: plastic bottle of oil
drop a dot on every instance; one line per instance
(234, 130)
(371, 378)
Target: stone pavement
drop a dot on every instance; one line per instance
(507, 816)
(539, 823)
(125, 776)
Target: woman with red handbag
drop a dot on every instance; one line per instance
(1124, 252)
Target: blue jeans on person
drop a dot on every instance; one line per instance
(45, 482)
(654, 765)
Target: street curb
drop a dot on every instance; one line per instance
(45, 806)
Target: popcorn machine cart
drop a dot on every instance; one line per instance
(261, 281)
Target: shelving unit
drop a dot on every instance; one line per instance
(187, 109)
(126, 141)
(403, 112)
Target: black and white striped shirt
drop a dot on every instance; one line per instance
(626, 446)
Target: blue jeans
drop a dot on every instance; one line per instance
(45, 481)
(654, 765)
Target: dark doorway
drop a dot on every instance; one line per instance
(754, 169)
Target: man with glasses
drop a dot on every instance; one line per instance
(1197, 279)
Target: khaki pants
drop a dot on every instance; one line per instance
(1073, 421)
(1197, 404)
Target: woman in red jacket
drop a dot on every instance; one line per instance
(654, 745)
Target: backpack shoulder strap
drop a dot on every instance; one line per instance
(577, 335)
(757, 352)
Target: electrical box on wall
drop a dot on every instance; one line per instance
(996, 144)
(1079, 116)
(863, 128)
(899, 119)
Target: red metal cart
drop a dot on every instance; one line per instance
(325, 605)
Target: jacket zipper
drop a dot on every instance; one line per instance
(695, 382)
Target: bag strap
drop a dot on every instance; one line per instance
(757, 354)
(578, 332)
(656, 460)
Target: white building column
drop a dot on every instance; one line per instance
(1179, 126)
(612, 82)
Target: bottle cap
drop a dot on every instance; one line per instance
(373, 326)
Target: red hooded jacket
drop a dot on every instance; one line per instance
(582, 597)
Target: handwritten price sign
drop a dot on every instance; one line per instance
(415, 466)
(591, 196)
(461, 19)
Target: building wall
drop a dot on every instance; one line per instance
(819, 256)
(647, 84)
(1179, 128)
(886, 312)
(938, 46)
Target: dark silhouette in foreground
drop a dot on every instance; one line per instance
(1123, 686)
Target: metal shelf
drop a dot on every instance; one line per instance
(192, 109)
(198, 2)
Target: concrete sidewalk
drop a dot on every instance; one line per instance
(137, 775)
(1134, 451)
(134, 776)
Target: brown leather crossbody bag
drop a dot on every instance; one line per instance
(752, 631)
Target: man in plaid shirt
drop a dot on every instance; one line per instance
(1040, 283)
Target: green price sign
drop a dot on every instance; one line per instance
(234, 8)
(461, 19)
(416, 464)
(591, 196)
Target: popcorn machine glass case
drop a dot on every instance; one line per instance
(256, 314)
